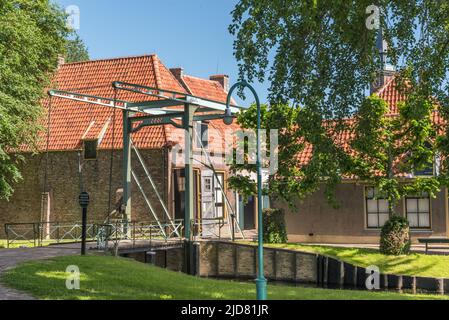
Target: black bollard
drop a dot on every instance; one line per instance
(84, 203)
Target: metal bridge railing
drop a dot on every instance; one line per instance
(43, 233)
(64, 232)
(137, 231)
(40, 234)
(207, 227)
(22, 234)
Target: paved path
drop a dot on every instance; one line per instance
(9, 258)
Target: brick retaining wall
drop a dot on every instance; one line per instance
(230, 260)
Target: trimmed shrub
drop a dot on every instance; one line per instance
(395, 236)
(274, 230)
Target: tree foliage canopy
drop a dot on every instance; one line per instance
(32, 35)
(284, 184)
(76, 49)
(321, 57)
(388, 148)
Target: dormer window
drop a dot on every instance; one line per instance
(202, 129)
(90, 149)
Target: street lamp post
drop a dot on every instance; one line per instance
(261, 282)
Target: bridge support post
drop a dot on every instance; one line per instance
(189, 111)
(127, 164)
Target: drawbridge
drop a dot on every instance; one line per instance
(166, 107)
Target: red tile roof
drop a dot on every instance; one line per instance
(392, 97)
(72, 121)
(96, 130)
(208, 89)
(211, 90)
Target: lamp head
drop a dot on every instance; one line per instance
(228, 117)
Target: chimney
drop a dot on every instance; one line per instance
(178, 73)
(387, 71)
(222, 79)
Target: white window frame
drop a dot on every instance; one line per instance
(377, 198)
(219, 206)
(202, 134)
(420, 211)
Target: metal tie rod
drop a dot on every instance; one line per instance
(105, 102)
(154, 186)
(175, 96)
(148, 202)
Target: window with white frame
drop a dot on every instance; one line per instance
(219, 199)
(202, 134)
(418, 210)
(377, 212)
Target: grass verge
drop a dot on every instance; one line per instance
(110, 278)
(415, 264)
(30, 244)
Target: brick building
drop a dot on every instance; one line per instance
(362, 211)
(84, 136)
(83, 142)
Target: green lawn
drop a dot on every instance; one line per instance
(118, 278)
(29, 244)
(4, 244)
(415, 264)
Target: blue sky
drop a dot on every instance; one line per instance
(192, 34)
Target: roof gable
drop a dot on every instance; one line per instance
(69, 120)
(207, 89)
(391, 95)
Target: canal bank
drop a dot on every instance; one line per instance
(231, 260)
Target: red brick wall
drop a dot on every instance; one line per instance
(63, 183)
